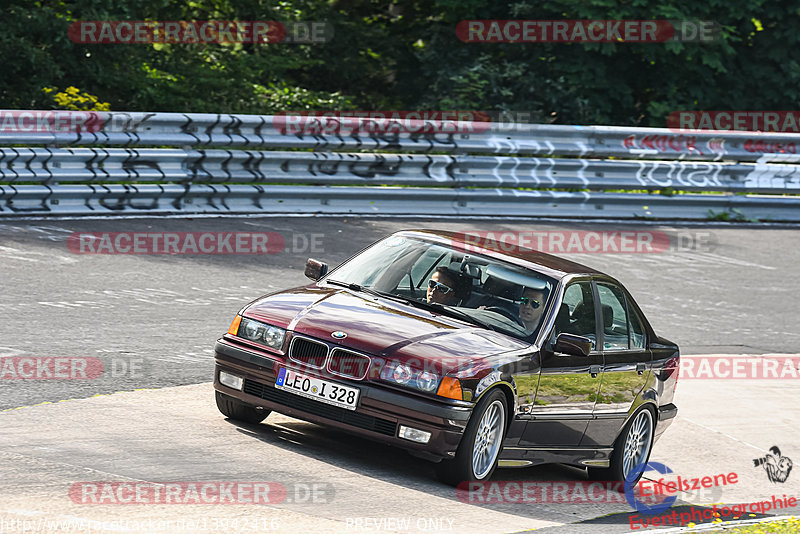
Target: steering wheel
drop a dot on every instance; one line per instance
(504, 312)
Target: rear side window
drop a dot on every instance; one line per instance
(615, 317)
(636, 329)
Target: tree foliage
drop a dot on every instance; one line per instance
(404, 55)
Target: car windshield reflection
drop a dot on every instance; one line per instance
(482, 290)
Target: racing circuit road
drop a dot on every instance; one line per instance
(152, 321)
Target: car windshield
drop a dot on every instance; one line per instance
(485, 291)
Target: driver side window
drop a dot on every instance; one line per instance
(576, 315)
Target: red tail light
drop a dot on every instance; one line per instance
(672, 368)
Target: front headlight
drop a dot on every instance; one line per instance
(402, 374)
(273, 337)
(397, 372)
(427, 381)
(265, 334)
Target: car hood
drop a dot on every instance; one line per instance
(382, 327)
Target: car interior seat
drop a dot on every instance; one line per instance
(582, 320)
(608, 318)
(498, 293)
(562, 319)
(562, 322)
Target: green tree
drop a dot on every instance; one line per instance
(404, 55)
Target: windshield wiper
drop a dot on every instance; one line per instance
(348, 285)
(369, 291)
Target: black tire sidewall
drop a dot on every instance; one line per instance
(619, 447)
(463, 460)
(233, 408)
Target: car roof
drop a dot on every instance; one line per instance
(526, 257)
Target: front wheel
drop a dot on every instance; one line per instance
(235, 409)
(631, 449)
(476, 458)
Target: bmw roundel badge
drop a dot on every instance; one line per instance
(339, 334)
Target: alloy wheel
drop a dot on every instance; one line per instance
(638, 441)
(488, 439)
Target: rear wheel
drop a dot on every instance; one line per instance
(239, 411)
(476, 458)
(631, 449)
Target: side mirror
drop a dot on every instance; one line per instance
(315, 269)
(573, 345)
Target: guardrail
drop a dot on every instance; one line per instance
(106, 163)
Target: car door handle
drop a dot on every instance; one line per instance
(640, 368)
(594, 370)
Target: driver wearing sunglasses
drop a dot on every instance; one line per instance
(531, 308)
(445, 287)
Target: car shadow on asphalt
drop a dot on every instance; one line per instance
(396, 466)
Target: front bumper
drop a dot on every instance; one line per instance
(378, 416)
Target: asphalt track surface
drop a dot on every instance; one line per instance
(152, 321)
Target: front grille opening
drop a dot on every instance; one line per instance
(360, 420)
(349, 364)
(307, 352)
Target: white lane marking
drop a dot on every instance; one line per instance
(732, 261)
(8, 352)
(8, 253)
(82, 468)
(43, 228)
(17, 254)
(759, 449)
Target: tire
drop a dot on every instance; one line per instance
(477, 454)
(632, 448)
(239, 411)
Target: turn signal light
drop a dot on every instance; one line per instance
(234, 328)
(450, 388)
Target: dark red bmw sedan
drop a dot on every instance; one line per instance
(469, 357)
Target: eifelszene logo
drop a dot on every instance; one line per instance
(639, 505)
(777, 467)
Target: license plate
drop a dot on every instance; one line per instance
(317, 389)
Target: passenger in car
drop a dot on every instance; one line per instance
(447, 287)
(531, 308)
